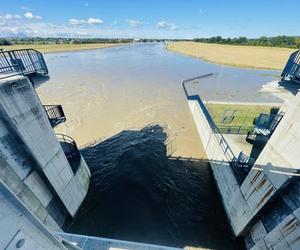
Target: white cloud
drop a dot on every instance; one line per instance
(10, 17)
(81, 22)
(14, 26)
(75, 22)
(29, 15)
(166, 25)
(92, 20)
(134, 23)
(24, 8)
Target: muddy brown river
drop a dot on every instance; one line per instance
(105, 91)
(126, 110)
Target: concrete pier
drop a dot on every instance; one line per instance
(34, 165)
(22, 229)
(264, 208)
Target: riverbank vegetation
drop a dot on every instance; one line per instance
(277, 41)
(48, 45)
(235, 55)
(53, 40)
(243, 115)
(50, 48)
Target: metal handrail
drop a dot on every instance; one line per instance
(66, 139)
(291, 70)
(21, 62)
(71, 150)
(268, 121)
(231, 158)
(235, 129)
(55, 114)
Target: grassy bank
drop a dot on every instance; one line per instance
(50, 48)
(243, 114)
(234, 55)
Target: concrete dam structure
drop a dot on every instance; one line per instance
(44, 178)
(261, 195)
(44, 170)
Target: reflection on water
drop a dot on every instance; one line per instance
(137, 193)
(105, 91)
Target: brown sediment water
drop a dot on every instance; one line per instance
(108, 90)
(137, 191)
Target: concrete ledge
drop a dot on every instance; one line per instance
(236, 207)
(90, 242)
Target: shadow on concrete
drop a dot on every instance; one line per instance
(137, 193)
(38, 79)
(290, 86)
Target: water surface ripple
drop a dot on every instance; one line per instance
(107, 90)
(137, 193)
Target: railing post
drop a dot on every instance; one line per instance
(32, 62)
(42, 62)
(5, 58)
(18, 62)
(14, 61)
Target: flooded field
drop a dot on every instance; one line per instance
(106, 91)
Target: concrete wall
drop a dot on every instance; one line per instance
(91, 243)
(278, 163)
(29, 148)
(235, 205)
(83, 176)
(276, 167)
(18, 225)
(26, 195)
(286, 235)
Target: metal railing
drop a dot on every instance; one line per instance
(251, 137)
(71, 151)
(291, 70)
(245, 160)
(22, 62)
(230, 156)
(265, 125)
(55, 114)
(268, 121)
(235, 130)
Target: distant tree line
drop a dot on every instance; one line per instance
(50, 40)
(277, 41)
(147, 40)
(4, 41)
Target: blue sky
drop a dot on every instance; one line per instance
(149, 18)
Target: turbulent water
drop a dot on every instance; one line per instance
(138, 193)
